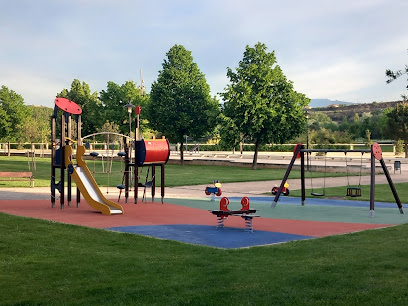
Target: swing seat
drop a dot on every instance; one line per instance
(121, 186)
(353, 192)
(94, 154)
(316, 194)
(121, 154)
(149, 184)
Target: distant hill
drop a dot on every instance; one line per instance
(327, 102)
(337, 112)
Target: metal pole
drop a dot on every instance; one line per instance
(79, 138)
(162, 182)
(285, 177)
(336, 150)
(307, 140)
(394, 191)
(372, 184)
(302, 177)
(130, 125)
(53, 156)
(153, 182)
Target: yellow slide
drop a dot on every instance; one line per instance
(87, 184)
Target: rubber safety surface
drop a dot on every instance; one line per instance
(189, 220)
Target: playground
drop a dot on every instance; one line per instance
(209, 217)
(191, 226)
(188, 219)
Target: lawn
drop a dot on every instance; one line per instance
(43, 262)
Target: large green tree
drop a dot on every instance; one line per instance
(260, 103)
(80, 93)
(114, 99)
(180, 103)
(396, 126)
(13, 115)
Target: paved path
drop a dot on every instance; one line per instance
(259, 188)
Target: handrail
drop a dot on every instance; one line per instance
(105, 133)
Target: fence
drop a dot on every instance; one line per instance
(194, 147)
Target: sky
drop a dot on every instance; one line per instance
(337, 50)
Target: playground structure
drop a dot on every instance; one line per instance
(61, 158)
(147, 153)
(245, 212)
(68, 108)
(376, 154)
(214, 190)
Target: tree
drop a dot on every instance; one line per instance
(180, 103)
(319, 120)
(261, 103)
(397, 124)
(110, 127)
(114, 99)
(37, 128)
(13, 114)
(81, 94)
(393, 75)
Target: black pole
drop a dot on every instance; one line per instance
(372, 184)
(162, 182)
(62, 165)
(394, 191)
(307, 139)
(69, 178)
(79, 138)
(53, 162)
(335, 150)
(302, 177)
(153, 182)
(127, 169)
(136, 171)
(275, 201)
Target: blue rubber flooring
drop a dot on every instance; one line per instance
(227, 238)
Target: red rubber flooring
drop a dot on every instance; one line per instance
(157, 214)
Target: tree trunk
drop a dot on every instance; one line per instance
(181, 154)
(255, 160)
(406, 147)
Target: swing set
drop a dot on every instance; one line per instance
(376, 154)
(352, 191)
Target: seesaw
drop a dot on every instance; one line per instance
(245, 212)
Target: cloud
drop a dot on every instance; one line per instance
(329, 49)
(35, 89)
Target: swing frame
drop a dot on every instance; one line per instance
(376, 154)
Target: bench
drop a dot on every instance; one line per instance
(17, 176)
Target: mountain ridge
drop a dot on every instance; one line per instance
(327, 102)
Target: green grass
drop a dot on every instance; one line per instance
(47, 263)
(383, 193)
(175, 174)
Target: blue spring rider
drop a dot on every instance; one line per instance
(214, 190)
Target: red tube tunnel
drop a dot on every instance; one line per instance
(152, 151)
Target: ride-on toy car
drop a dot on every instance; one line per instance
(285, 189)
